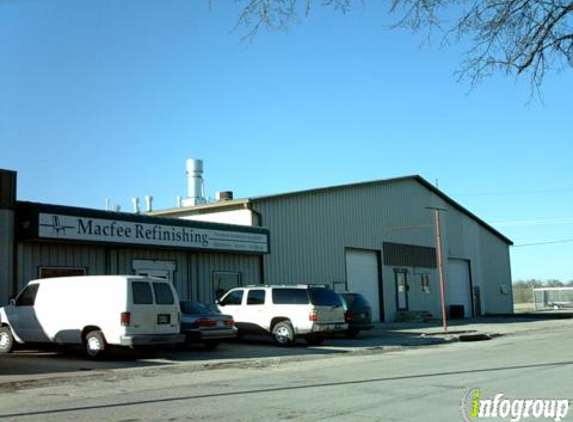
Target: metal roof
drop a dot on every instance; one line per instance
(245, 202)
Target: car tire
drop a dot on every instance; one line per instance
(315, 340)
(283, 333)
(95, 344)
(6, 340)
(211, 344)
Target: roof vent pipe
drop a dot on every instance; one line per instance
(148, 203)
(135, 201)
(195, 188)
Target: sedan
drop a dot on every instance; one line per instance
(357, 312)
(206, 325)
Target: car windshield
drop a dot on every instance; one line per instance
(194, 308)
(354, 300)
(324, 297)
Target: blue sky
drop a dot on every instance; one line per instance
(106, 99)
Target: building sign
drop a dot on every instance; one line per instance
(66, 227)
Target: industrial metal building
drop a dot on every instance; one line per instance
(377, 238)
(41, 240)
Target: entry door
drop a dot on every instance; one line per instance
(154, 268)
(402, 290)
(362, 277)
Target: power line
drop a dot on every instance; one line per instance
(545, 221)
(543, 243)
(516, 192)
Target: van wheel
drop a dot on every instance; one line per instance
(6, 340)
(95, 344)
(283, 333)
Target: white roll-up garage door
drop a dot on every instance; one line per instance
(458, 284)
(362, 277)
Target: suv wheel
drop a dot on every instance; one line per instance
(6, 340)
(283, 333)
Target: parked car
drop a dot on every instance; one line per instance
(285, 312)
(205, 324)
(93, 311)
(357, 313)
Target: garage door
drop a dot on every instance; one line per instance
(362, 277)
(458, 284)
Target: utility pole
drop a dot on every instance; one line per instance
(440, 264)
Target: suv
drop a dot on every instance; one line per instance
(286, 312)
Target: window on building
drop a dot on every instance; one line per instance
(48, 272)
(223, 281)
(425, 283)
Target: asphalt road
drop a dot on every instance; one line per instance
(406, 385)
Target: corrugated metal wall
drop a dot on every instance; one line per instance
(310, 231)
(205, 264)
(192, 276)
(121, 262)
(32, 256)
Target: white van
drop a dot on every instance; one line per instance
(93, 311)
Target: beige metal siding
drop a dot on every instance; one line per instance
(310, 231)
(495, 275)
(489, 260)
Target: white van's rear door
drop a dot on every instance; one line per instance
(166, 308)
(153, 310)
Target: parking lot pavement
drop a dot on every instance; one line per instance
(25, 366)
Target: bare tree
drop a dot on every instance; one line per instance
(519, 37)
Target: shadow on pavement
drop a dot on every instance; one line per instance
(390, 336)
(55, 361)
